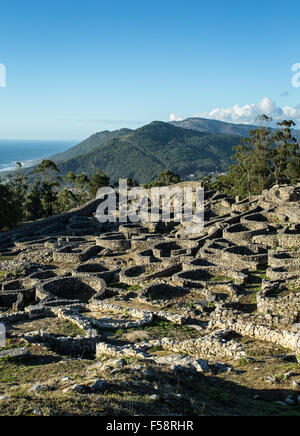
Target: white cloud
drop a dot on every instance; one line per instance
(248, 113)
(296, 77)
(175, 117)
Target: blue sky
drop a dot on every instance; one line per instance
(77, 67)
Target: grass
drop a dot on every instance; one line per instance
(156, 330)
(252, 285)
(220, 279)
(129, 389)
(255, 279)
(128, 393)
(294, 290)
(160, 329)
(70, 329)
(126, 287)
(8, 345)
(119, 332)
(6, 258)
(57, 326)
(243, 362)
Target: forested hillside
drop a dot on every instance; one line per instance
(143, 153)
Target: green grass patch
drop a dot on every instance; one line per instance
(159, 329)
(6, 258)
(126, 287)
(68, 328)
(220, 279)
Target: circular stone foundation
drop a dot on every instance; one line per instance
(163, 292)
(196, 278)
(97, 270)
(73, 288)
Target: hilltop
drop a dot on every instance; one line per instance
(89, 144)
(220, 127)
(146, 319)
(192, 148)
(214, 126)
(141, 154)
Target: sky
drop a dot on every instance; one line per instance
(77, 67)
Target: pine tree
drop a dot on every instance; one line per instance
(165, 178)
(33, 208)
(98, 180)
(18, 185)
(81, 186)
(66, 200)
(47, 170)
(285, 151)
(8, 217)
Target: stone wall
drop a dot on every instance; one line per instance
(270, 302)
(60, 287)
(237, 323)
(210, 346)
(41, 226)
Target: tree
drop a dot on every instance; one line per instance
(131, 183)
(98, 180)
(18, 185)
(70, 178)
(257, 161)
(8, 216)
(206, 182)
(165, 178)
(264, 158)
(285, 150)
(47, 170)
(234, 183)
(49, 197)
(66, 200)
(81, 186)
(33, 208)
(251, 172)
(47, 167)
(293, 170)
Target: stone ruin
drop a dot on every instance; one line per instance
(127, 276)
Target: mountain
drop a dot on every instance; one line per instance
(89, 144)
(191, 148)
(219, 127)
(214, 126)
(141, 154)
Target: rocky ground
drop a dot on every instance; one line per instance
(144, 320)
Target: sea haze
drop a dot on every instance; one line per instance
(29, 152)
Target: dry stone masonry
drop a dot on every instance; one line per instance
(126, 290)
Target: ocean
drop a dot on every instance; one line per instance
(29, 152)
